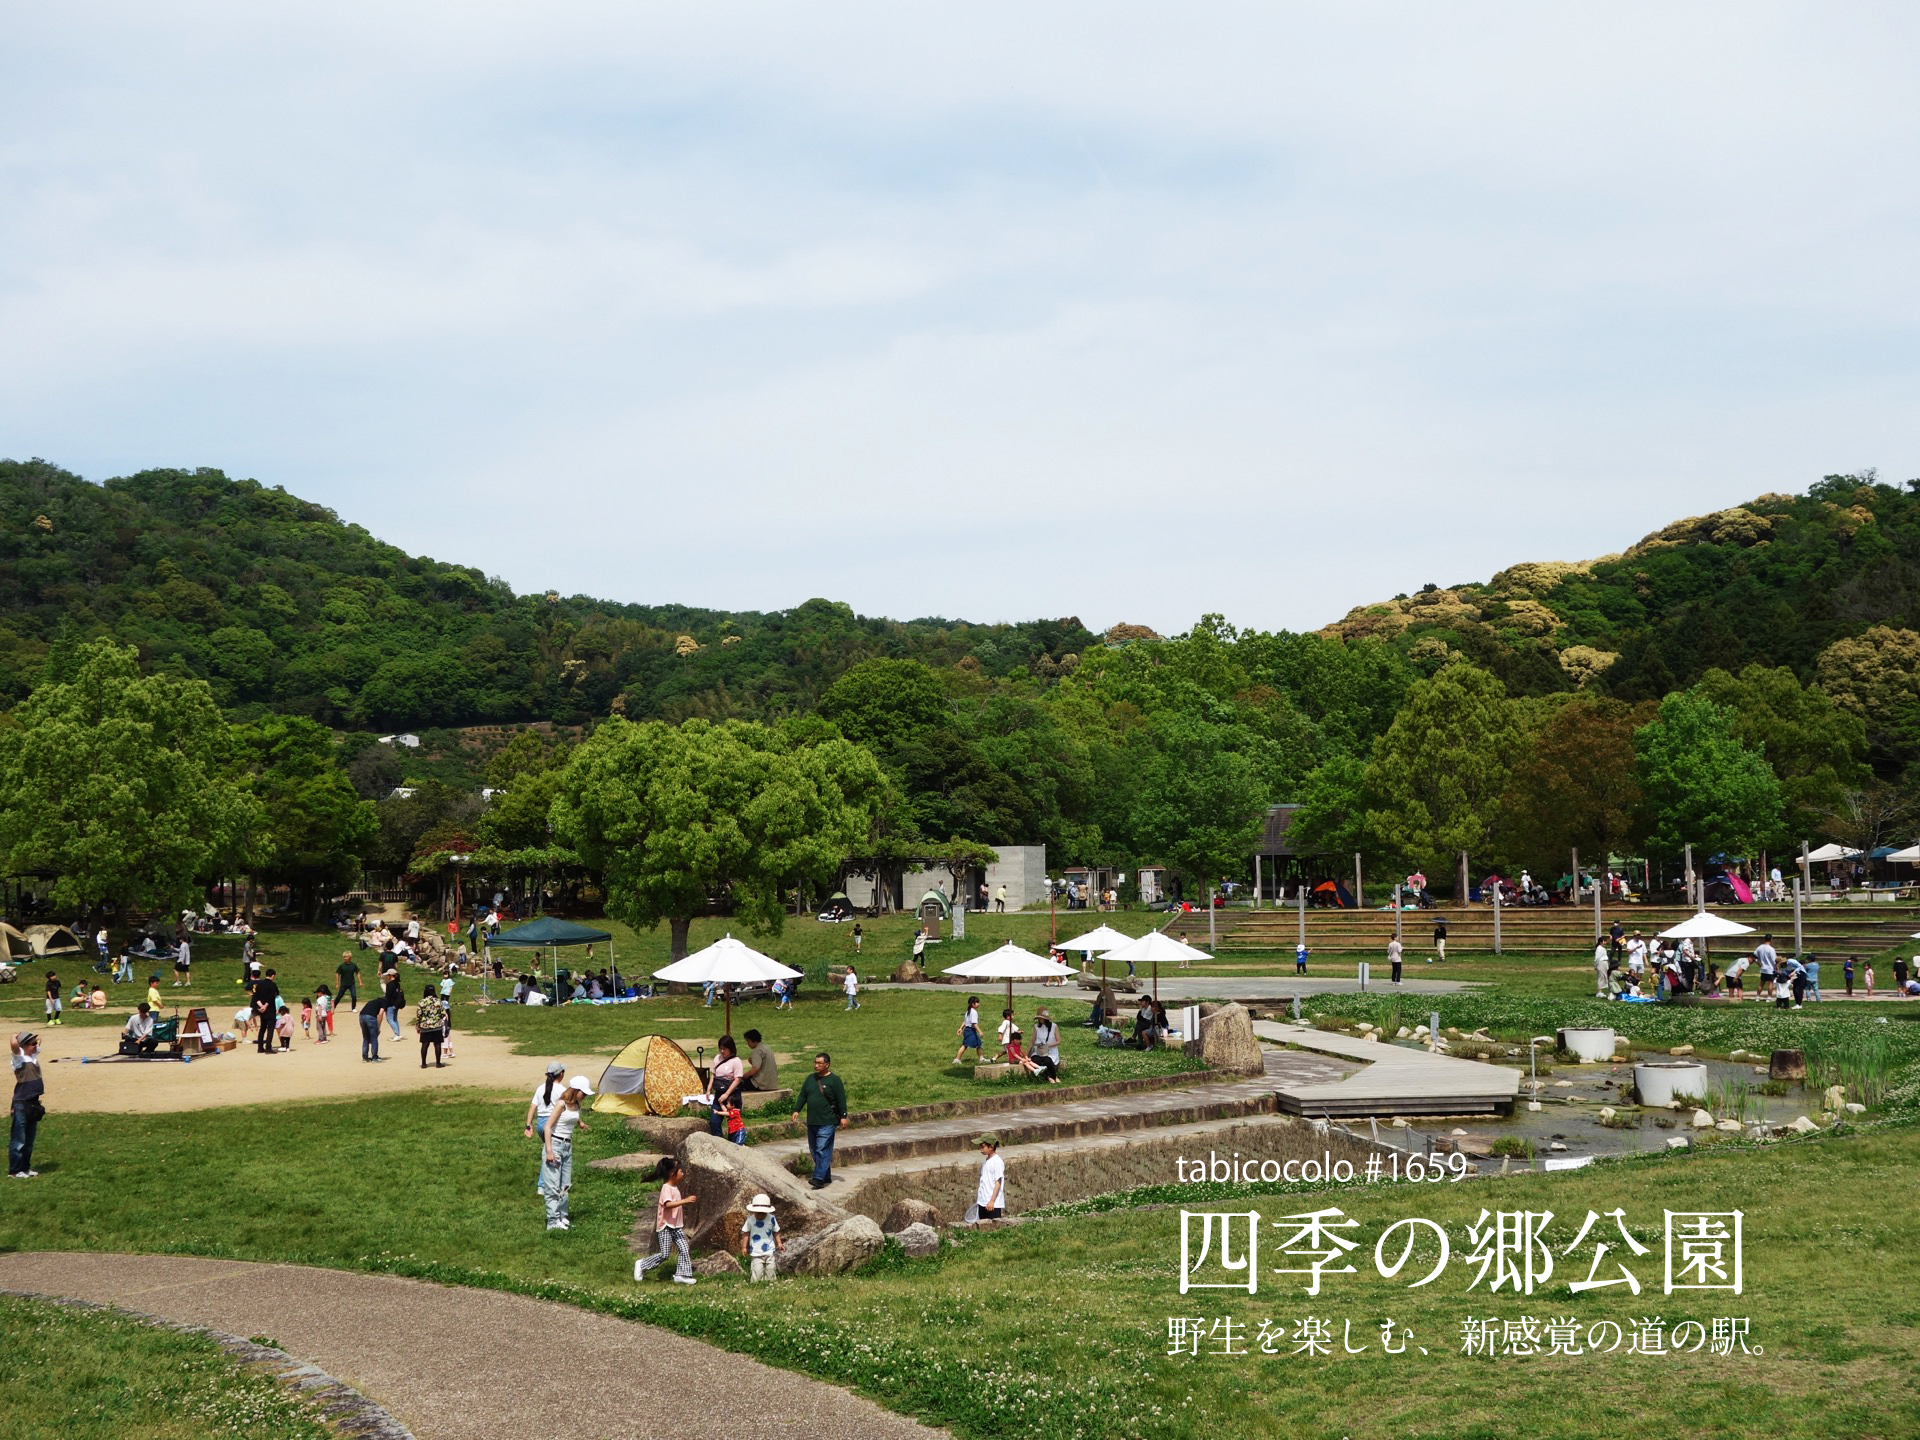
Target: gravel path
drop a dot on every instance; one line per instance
(460, 1364)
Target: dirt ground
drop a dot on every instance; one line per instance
(308, 1071)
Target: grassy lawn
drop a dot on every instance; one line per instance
(91, 1375)
(1059, 1328)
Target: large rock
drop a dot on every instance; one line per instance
(726, 1176)
(1787, 1065)
(666, 1131)
(1835, 1099)
(853, 1241)
(720, 1262)
(909, 973)
(919, 1241)
(1227, 1041)
(911, 1211)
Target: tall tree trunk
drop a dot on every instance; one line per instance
(677, 927)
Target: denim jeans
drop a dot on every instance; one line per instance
(20, 1141)
(125, 973)
(853, 1002)
(393, 1019)
(820, 1146)
(556, 1179)
(369, 1037)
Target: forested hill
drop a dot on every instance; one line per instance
(1776, 581)
(281, 606)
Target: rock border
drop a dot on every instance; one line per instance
(342, 1408)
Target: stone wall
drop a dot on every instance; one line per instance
(1053, 1174)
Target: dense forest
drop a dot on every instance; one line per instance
(1735, 681)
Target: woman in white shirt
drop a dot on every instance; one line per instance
(556, 1170)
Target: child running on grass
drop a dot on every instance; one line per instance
(969, 1031)
(669, 1223)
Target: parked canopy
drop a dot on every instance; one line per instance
(539, 934)
(1705, 926)
(1832, 851)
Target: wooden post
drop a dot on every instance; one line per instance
(1256, 880)
(1496, 919)
(1799, 944)
(1598, 881)
(1212, 943)
(1464, 892)
(1359, 892)
(1688, 877)
(1303, 912)
(1398, 904)
(1573, 892)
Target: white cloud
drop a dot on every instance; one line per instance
(1131, 312)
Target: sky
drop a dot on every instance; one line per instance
(998, 311)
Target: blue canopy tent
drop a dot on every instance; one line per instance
(547, 933)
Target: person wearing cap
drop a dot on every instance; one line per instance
(763, 1241)
(28, 1111)
(541, 1106)
(137, 1038)
(556, 1175)
(991, 1197)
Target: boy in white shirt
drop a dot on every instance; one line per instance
(992, 1194)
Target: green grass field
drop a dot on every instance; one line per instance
(70, 1374)
(1059, 1328)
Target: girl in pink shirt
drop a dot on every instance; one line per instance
(669, 1223)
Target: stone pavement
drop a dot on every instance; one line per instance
(1397, 1080)
(550, 1371)
(1179, 986)
(1104, 1115)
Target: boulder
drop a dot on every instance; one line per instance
(992, 1072)
(1836, 1097)
(1404, 1034)
(720, 1262)
(1802, 1125)
(853, 1241)
(1702, 1120)
(645, 1160)
(909, 1212)
(919, 1241)
(1732, 1127)
(726, 1176)
(1607, 1112)
(909, 973)
(1679, 1142)
(1227, 1041)
(1681, 1050)
(1787, 1065)
(667, 1131)
(1854, 1107)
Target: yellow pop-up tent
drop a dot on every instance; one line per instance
(650, 1077)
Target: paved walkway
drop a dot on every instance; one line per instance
(1178, 985)
(1396, 1081)
(459, 1364)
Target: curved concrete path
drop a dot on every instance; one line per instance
(459, 1364)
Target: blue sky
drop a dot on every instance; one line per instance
(1124, 311)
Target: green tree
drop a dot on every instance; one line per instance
(1817, 748)
(1701, 786)
(1197, 802)
(1435, 778)
(120, 785)
(1577, 786)
(680, 819)
(1876, 676)
(314, 829)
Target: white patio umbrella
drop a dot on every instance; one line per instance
(1010, 963)
(727, 962)
(1156, 948)
(1097, 942)
(1703, 927)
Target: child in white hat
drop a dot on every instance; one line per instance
(763, 1237)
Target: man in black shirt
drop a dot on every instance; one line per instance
(370, 1027)
(266, 1009)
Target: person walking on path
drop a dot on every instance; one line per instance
(670, 1223)
(823, 1102)
(123, 974)
(852, 986)
(430, 1024)
(1395, 957)
(858, 937)
(446, 1006)
(1439, 937)
(28, 1110)
(370, 1028)
(556, 1175)
(183, 963)
(1300, 953)
(969, 1032)
(1602, 971)
(347, 973)
(991, 1195)
(1000, 900)
(762, 1232)
(266, 1010)
(393, 999)
(541, 1106)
